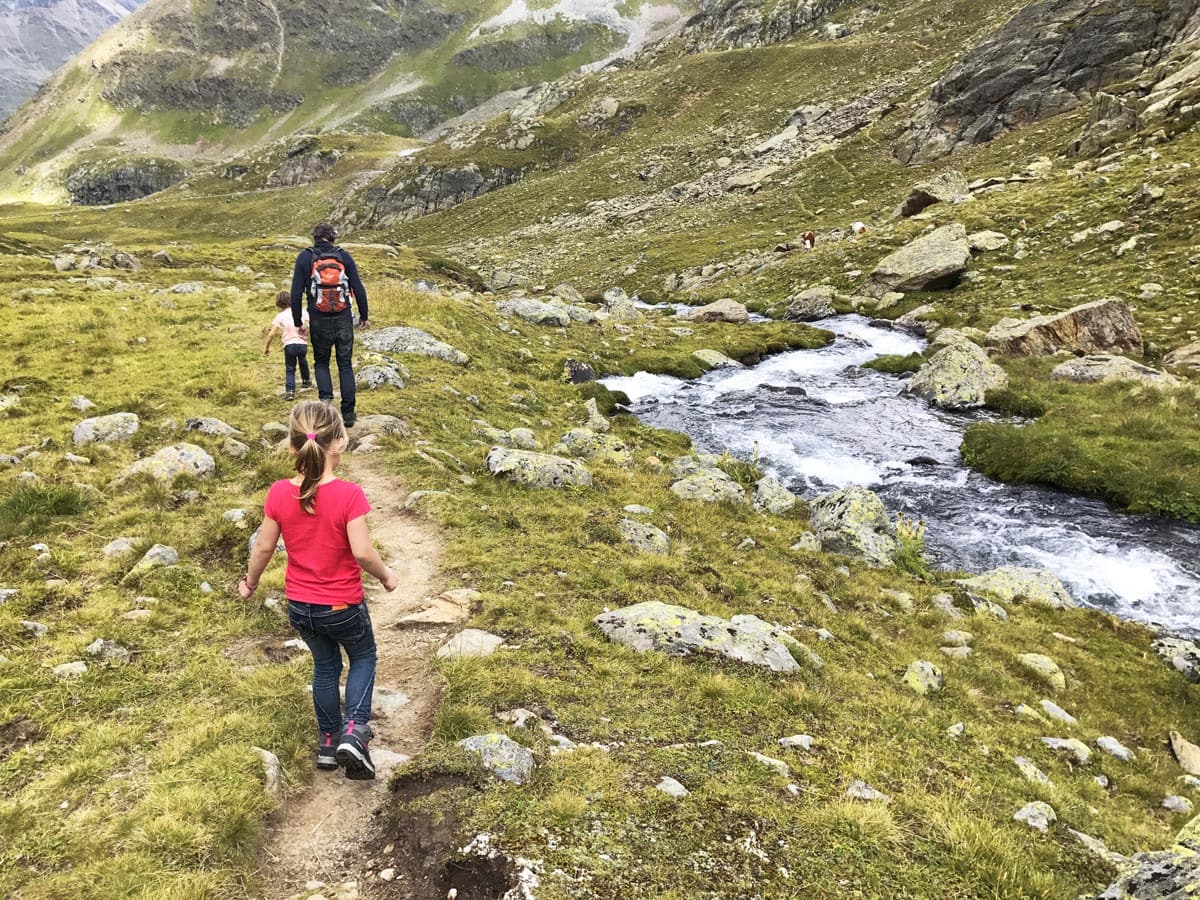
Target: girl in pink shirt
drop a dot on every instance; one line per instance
(295, 345)
(323, 521)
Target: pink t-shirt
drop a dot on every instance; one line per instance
(321, 567)
(285, 323)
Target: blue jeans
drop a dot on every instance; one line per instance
(293, 355)
(326, 631)
(333, 334)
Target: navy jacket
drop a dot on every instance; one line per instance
(303, 272)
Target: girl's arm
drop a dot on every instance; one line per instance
(260, 556)
(364, 551)
(270, 335)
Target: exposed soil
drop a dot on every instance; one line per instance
(325, 824)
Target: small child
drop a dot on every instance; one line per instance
(323, 521)
(295, 346)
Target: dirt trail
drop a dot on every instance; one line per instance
(324, 822)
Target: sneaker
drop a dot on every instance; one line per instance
(352, 752)
(349, 420)
(326, 751)
(306, 385)
(289, 395)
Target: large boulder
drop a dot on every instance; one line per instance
(934, 261)
(679, 631)
(1009, 584)
(535, 311)
(172, 462)
(772, 496)
(1098, 327)
(1102, 367)
(585, 443)
(537, 470)
(403, 339)
(948, 187)
(1170, 874)
(811, 304)
(709, 486)
(105, 429)
(853, 521)
(724, 310)
(957, 377)
(1186, 357)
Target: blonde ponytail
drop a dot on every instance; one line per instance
(316, 429)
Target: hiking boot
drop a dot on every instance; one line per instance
(349, 420)
(306, 385)
(326, 751)
(352, 752)
(289, 395)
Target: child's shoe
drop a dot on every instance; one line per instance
(352, 752)
(326, 751)
(289, 395)
(306, 385)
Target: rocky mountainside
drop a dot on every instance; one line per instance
(38, 36)
(182, 83)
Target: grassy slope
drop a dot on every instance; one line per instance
(146, 753)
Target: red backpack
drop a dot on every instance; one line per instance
(328, 287)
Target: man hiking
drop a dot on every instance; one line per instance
(327, 276)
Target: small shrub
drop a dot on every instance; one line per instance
(744, 472)
(910, 546)
(38, 503)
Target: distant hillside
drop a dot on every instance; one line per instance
(38, 36)
(181, 83)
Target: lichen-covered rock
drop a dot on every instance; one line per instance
(502, 756)
(537, 470)
(158, 556)
(535, 311)
(770, 496)
(1115, 748)
(1012, 583)
(1186, 357)
(210, 426)
(678, 631)
(924, 678)
(1037, 815)
(372, 378)
(380, 424)
(1032, 773)
(1103, 367)
(403, 339)
(945, 187)
(714, 359)
(470, 642)
(957, 377)
(1182, 655)
(934, 261)
(987, 241)
(811, 304)
(106, 429)
(172, 462)
(724, 310)
(1077, 749)
(853, 522)
(1045, 668)
(989, 607)
(644, 537)
(860, 790)
(1056, 712)
(585, 443)
(1186, 753)
(1102, 326)
(709, 486)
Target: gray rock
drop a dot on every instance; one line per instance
(957, 377)
(470, 642)
(106, 649)
(105, 429)
(1054, 711)
(776, 765)
(811, 304)
(37, 629)
(770, 496)
(502, 756)
(536, 312)
(372, 378)
(1037, 815)
(709, 486)
(944, 604)
(595, 421)
(807, 543)
(956, 652)
(172, 462)
(76, 460)
(677, 631)
(1032, 773)
(1012, 583)
(158, 556)
(1186, 357)
(946, 187)
(924, 678)
(957, 638)
(671, 787)
(798, 742)
(81, 403)
(74, 669)
(189, 287)
(585, 443)
(537, 470)
(1180, 654)
(1077, 749)
(636, 509)
(523, 438)
(403, 339)
(989, 607)
(853, 522)
(7, 594)
(272, 772)
(1102, 367)
(987, 241)
(714, 359)
(1177, 804)
(209, 426)
(234, 448)
(643, 537)
(1115, 748)
(724, 310)
(120, 546)
(1045, 668)
(1098, 327)
(860, 790)
(934, 261)
(380, 424)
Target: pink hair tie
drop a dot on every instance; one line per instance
(312, 435)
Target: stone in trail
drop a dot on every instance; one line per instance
(1103, 326)
(678, 631)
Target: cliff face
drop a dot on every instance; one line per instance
(38, 36)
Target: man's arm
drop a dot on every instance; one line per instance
(299, 276)
(356, 285)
